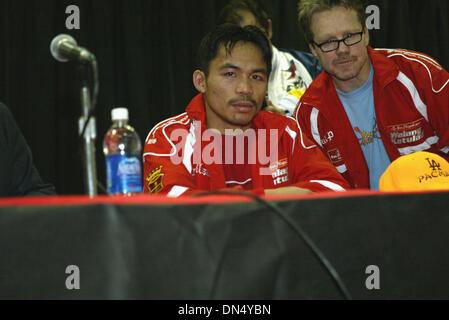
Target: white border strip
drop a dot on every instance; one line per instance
(428, 71)
(342, 168)
(419, 105)
(237, 182)
(420, 147)
(300, 130)
(314, 126)
(330, 185)
(177, 191)
(445, 150)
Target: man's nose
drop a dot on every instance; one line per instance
(244, 86)
(342, 48)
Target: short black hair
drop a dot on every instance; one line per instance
(229, 35)
(229, 13)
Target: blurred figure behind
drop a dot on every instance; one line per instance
(293, 71)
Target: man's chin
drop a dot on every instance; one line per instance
(345, 76)
(243, 121)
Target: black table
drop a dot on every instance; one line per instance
(224, 247)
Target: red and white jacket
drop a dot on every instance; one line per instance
(411, 98)
(299, 161)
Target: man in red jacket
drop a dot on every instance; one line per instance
(224, 141)
(368, 107)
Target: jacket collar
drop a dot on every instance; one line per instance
(196, 108)
(385, 70)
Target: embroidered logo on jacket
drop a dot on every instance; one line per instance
(407, 132)
(152, 141)
(199, 169)
(155, 180)
(280, 172)
(367, 137)
(330, 136)
(335, 156)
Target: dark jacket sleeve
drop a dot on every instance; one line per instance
(18, 176)
(308, 60)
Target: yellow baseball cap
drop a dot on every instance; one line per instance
(415, 172)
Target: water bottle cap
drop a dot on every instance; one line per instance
(119, 114)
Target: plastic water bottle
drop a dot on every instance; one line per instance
(122, 150)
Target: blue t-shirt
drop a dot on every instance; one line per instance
(359, 106)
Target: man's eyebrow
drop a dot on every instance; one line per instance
(331, 37)
(230, 66)
(261, 70)
(233, 66)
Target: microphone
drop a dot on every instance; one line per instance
(64, 48)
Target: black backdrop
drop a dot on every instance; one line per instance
(146, 53)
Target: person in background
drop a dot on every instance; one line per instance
(292, 71)
(222, 139)
(370, 106)
(18, 175)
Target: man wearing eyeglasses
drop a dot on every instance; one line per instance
(368, 107)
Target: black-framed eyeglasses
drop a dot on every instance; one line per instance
(332, 45)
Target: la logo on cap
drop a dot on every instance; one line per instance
(416, 172)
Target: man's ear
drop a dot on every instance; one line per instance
(366, 35)
(313, 50)
(199, 81)
(270, 29)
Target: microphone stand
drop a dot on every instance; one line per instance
(90, 134)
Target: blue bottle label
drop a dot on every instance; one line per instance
(123, 174)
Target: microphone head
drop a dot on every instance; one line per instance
(56, 43)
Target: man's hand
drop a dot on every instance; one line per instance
(287, 191)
